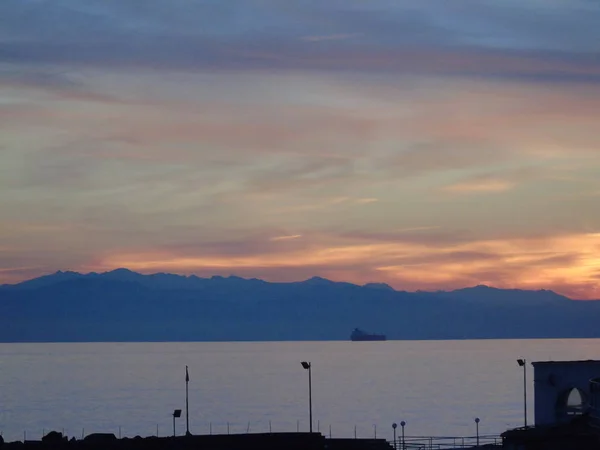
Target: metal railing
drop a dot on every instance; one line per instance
(446, 442)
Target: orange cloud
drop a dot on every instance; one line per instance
(487, 185)
(568, 263)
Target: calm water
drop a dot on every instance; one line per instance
(437, 387)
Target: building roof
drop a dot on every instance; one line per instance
(562, 363)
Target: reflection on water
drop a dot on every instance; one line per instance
(437, 387)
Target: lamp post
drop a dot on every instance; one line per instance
(187, 405)
(402, 424)
(522, 363)
(176, 415)
(308, 366)
(477, 429)
(394, 426)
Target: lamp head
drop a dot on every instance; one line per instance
(306, 365)
(177, 413)
(521, 362)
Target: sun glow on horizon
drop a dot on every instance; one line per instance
(517, 263)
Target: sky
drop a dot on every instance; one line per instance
(427, 145)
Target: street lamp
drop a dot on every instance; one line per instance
(176, 415)
(394, 426)
(402, 424)
(308, 366)
(522, 363)
(477, 427)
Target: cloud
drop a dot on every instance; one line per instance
(511, 263)
(286, 238)
(439, 155)
(481, 185)
(355, 139)
(425, 257)
(193, 133)
(495, 40)
(329, 37)
(501, 181)
(301, 172)
(303, 145)
(418, 235)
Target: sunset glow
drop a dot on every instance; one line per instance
(394, 143)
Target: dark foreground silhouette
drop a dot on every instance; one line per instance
(267, 441)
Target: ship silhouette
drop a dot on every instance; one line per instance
(361, 335)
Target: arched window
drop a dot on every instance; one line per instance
(571, 402)
(574, 399)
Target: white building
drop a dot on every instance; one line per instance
(563, 389)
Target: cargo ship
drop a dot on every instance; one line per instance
(360, 335)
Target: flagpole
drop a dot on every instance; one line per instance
(187, 410)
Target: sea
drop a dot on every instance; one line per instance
(437, 388)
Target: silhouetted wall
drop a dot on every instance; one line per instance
(553, 381)
(267, 441)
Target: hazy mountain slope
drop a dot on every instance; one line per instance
(123, 306)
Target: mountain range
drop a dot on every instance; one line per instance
(122, 305)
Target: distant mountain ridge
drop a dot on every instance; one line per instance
(122, 305)
(167, 280)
